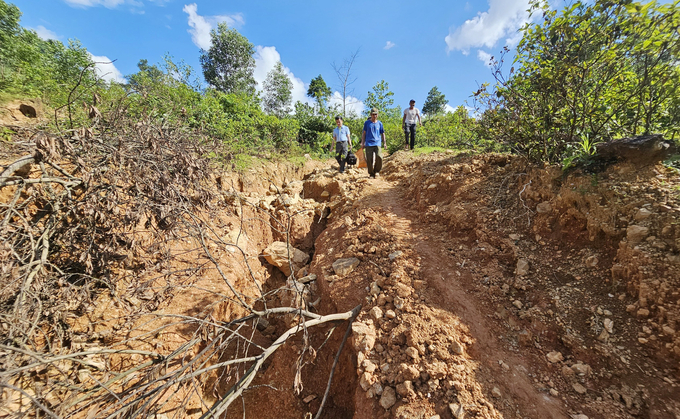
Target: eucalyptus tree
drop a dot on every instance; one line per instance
(228, 65)
(381, 98)
(319, 91)
(435, 103)
(277, 91)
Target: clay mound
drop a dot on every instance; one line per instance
(21, 113)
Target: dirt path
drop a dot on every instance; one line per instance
(449, 289)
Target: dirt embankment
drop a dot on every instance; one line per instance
(492, 289)
(489, 288)
(504, 290)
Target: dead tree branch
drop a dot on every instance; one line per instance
(222, 405)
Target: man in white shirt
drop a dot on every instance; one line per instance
(342, 141)
(408, 123)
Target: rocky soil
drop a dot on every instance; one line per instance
(488, 287)
(494, 289)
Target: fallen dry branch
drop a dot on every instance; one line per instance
(128, 216)
(18, 165)
(221, 406)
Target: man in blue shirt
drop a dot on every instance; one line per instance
(342, 143)
(371, 139)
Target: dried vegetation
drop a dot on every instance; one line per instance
(101, 231)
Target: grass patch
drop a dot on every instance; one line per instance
(242, 162)
(6, 135)
(429, 150)
(297, 160)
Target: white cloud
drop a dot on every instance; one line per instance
(265, 60)
(484, 57)
(45, 33)
(352, 104)
(449, 109)
(106, 69)
(201, 25)
(503, 18)
(514, 39)
(389, 45)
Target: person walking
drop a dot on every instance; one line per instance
(343, 143)
(372, 137)
(408, 123)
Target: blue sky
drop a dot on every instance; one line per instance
(411, 45)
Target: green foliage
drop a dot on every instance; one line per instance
(5, 135)
(587, 146)
(579, 154)
(381, 99)
(30, 66)
(600, 71)
(9, 29)
(319, 90)
(242, 162)
(228, 65)
(162, 93)
(147, 74)
(356, 126)
(430, 150)
(315, 129)
(455, 130)
(242, 126)
(394, 134)
(277, 91)
(435, 103)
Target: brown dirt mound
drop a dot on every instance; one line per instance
(489, 288)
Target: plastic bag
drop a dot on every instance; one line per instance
(361, 158)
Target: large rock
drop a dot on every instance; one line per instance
(642, 214)
(389, 398)
(636, 234)
(363, 336)
(28, 111)
(641, 151)
(315, 187)
(544, 208)
(237, 237)
(522, 267)
(554, 357)
(278, 254)
(343, 267)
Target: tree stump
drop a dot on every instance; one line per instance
(640, 151)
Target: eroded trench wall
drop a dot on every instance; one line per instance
(626, 212)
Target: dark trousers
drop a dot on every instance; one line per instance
(341, 150)
(410, 130)
(373, 160)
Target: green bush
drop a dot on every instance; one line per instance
(599, 70)
(315, 128)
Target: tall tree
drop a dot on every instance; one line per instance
(319, 90)
(9, 28)
(435, 102)
(381, 99)
(344, 73)
(228, 65)
(277, 91)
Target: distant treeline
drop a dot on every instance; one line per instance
(581, 75)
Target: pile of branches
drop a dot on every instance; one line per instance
(69, 226)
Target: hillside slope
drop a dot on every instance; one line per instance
(488, 287)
